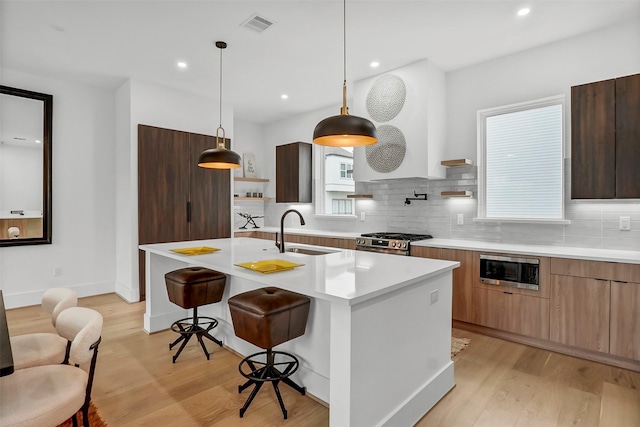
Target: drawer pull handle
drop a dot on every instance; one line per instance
(508, 293)
(620, 281)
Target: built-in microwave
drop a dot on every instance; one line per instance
(510, 271)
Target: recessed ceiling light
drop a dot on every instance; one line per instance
(524, 11)
(375, 64)
(284, 96)
(182, 64)
(38, 141)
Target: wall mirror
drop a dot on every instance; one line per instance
(25, 167)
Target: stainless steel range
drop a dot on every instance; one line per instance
(388, 243)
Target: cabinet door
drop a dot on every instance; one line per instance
(163, 185)
(628, 137)
(515, 313)
(462, 308)
(580, 310)
(625, 320)
(209, 194)
(293, 173)
(593, 141)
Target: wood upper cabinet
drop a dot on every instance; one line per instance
(628, 137)
(625, 320)
(580, 312)
(293, 173)
(605, 130)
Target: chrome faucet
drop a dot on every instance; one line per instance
(281, 246)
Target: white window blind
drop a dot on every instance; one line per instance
(523, 163)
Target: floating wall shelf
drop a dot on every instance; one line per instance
(457, 162)
(466, 193)
(359, 196)
(252, 198)
(238, 178)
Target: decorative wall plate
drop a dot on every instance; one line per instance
(387, 155)
(386, 98)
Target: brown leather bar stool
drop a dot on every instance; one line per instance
(192, 287)
(267, 317)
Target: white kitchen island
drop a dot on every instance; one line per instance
(378, 338)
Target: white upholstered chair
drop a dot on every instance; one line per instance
(13, 232)
(44, 348)
(48, 395)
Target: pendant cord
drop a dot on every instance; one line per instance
(220, 144)
(220, 87)
(344, 40)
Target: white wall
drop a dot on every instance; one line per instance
(83, 197)
(537, 73)
(145, 103)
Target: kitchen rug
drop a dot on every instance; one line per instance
(458, 344)
(94, 418)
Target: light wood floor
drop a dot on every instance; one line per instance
(499, 383)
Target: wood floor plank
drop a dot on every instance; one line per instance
(620, 406)
(498, 383)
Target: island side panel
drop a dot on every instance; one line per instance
(390, 357)
(311, 349)
(160, 313)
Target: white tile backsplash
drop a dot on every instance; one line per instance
(593, 223)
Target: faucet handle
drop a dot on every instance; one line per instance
(277, 242)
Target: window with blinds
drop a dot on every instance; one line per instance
(521, 176)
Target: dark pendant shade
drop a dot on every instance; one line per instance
(345, 131)
(219, 158)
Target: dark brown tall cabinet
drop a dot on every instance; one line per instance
(293, 173)
(605, 139)
(177, 200)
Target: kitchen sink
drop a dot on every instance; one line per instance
(306, 251)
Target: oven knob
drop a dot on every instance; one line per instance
(404, 245)
(393, 244)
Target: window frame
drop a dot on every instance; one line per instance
(319, 181)
(482, 115)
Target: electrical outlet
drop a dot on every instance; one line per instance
(625, 223)
(433, 297)
(362, 216)
(57, 271)
(460, 219)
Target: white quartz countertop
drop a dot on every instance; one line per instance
(345, 276)
(592, 254)
(24, 215)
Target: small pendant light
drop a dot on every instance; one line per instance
(219, 157)
(345, 130)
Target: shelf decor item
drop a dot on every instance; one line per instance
(345, 130)
(219, 157)
(249, 160)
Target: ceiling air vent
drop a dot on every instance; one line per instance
(257, 23)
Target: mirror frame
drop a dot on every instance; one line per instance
(46, 167)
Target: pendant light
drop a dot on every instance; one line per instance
(219, 157)
(345, 130)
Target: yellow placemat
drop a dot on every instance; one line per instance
(200, 250)
(269, 265)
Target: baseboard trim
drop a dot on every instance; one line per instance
(594, 356)
(25, 299)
